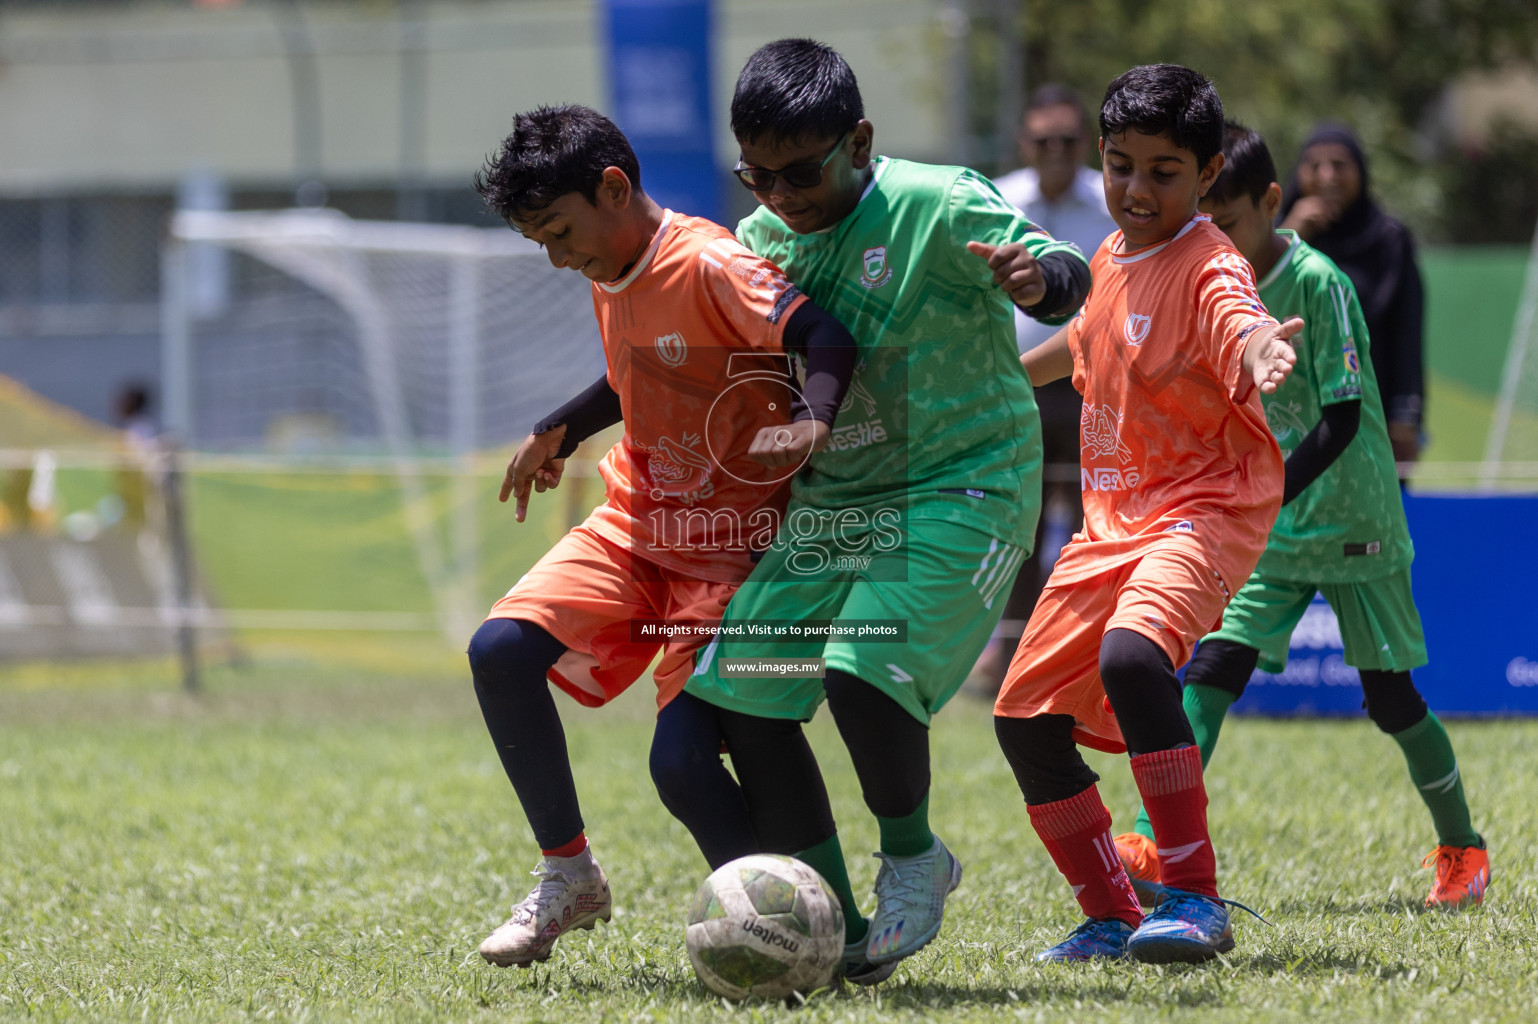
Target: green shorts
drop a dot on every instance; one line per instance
(1380, 627)
(946, 581)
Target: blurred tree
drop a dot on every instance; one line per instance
(1490, 195)
(1282, 65)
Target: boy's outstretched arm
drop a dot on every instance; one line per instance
(541, 459)
(1268, 356)
(1049, 286)
(1049, 361)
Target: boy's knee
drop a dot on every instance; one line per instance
(1223, 665)
(490, 645)
(1392, 701)
(671, 769)
(1044, 757)
(1129, 659)
(510, 648)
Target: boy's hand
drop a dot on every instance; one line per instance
(789, 445)
(533, 464)
(1268, 356)
(1014, 270)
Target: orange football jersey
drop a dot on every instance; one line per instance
(1173, 437)
(693, 338)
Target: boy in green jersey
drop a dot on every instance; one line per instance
(1341, 531)
(911, 523)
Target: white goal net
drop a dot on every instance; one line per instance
(308, 357)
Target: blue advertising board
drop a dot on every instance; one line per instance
(659, 56)
(1476, 584)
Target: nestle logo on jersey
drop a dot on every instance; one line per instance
(1100, 437)
(856, 435)
(1109, 479)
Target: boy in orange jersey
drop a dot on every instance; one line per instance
(1181, 483)
(696, 331)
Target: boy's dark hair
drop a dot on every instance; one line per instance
(1168, 100)
(553, 151)
(794, 90)
(1248, 169)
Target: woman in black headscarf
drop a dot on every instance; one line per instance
(1328, 205)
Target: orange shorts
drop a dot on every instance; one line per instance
(1171, 594)
(586, 592)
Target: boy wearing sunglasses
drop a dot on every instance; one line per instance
(903, 534)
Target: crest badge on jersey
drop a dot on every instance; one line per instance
(874, 270)
(672, 350)
(1136, 328)
(1348, 352)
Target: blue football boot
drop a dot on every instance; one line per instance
(1098, 938)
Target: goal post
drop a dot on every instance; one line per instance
(413, 345)
(1514, 426)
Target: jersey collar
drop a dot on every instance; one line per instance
(1154, 250)
(1281, 264)
(642, 263)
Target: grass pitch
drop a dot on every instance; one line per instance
(321, 843)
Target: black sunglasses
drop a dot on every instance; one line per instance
(805, 175)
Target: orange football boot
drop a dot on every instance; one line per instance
(1463, 875)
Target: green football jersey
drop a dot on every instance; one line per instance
(1349, 524)
(940, 419)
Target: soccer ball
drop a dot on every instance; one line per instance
(765, 926)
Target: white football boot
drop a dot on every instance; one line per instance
(910, 902)
(572, 893)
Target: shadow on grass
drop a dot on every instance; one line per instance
(1301, 963)
(1131, 988)
(900, 994)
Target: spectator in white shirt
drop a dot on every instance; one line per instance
(1058, 192)
(1055, 189)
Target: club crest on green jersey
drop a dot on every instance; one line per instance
(874, 269)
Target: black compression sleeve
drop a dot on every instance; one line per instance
(595, 408)
(1321, 447)
(1067, 278)
(828, 351)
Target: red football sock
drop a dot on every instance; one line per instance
(570, 849)
(1077, 833)
(1170, 782)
